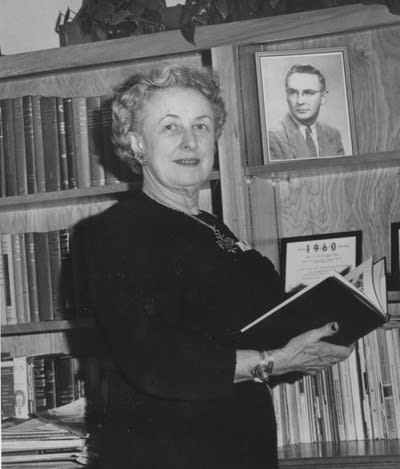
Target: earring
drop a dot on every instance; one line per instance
(140, 157)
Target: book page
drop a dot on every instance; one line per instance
(362, 278)
(379, 278)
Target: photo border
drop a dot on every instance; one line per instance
(259, 56)
(284, 242)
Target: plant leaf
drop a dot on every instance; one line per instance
(224, 8)
(188, 30)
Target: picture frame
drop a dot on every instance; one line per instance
(305, 88)
(394, 283)
(305, 259)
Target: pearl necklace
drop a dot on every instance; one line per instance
(224, 242)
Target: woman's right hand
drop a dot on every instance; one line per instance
(307, 353)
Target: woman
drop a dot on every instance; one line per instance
(169, 286)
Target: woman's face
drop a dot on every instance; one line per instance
(177, 138)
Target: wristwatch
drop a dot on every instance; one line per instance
(263, 370)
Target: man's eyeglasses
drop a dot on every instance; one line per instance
(305, 93)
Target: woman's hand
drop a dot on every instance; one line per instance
(307, 353)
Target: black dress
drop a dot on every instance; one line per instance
(169, 301)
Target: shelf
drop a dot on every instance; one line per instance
(297, 168)
(352, 454)
(259, 30)
(48, 199)
(44, 327)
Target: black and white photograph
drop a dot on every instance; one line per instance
(305, 104)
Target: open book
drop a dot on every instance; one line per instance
(356, 301)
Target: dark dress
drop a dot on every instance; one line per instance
(168, 301)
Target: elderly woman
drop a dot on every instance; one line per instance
(169, 285)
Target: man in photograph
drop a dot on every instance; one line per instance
(300, 134)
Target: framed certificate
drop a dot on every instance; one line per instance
(305, 259)
(395, 254)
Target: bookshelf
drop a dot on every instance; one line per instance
(258, 200)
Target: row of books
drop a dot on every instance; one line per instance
(59, 434)
(50, 143)
(32, 384)
(357, 399)
(39, 278)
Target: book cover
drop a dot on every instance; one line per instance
(19, 139)
(3, 318)
(8, 265)
(111, 162)
(81, 141)
(62, 144)
(43, 275)
(48, 108)
(64, 379)
(95, 135)
(7, 389)
(9, 146)
(333, 298)
(55, 272)
(21, 391)
(69, 143)
(32, 277)
(27, 109)
(38, 141)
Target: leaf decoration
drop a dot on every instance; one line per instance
(224, 8)
(187, 31)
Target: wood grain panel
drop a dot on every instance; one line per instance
(374, 59)
(230, 145)
(75, 341)
(260, 30)
(87, 82)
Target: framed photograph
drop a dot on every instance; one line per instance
(394, 283)
(306, 105)
(305, 259)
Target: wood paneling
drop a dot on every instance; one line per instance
(92, 81)
(260, 30)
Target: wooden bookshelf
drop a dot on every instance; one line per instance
(258, 200)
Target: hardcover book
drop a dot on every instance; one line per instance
(357, 302)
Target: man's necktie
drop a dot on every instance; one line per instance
(312, 149)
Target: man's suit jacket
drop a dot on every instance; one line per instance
(287, 142)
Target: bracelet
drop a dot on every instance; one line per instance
(262, 371)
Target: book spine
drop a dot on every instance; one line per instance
(81, 141)
(27, 107)
(7, 389)
(50, 382)
(3, 188)
(69, 142)
(32, 277)
(38, 142)
(111, 162)
(48, 107)
(62, 144)
(17, 269)
(394, 363)
(3, 305)
(95, 130)
(64, 379)
(7, 253)
(19, 139)
(9, 147)
(55, 272)
(43, 274)
(24, 284)
(21, 390)
(67, 284)
(39, 383)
